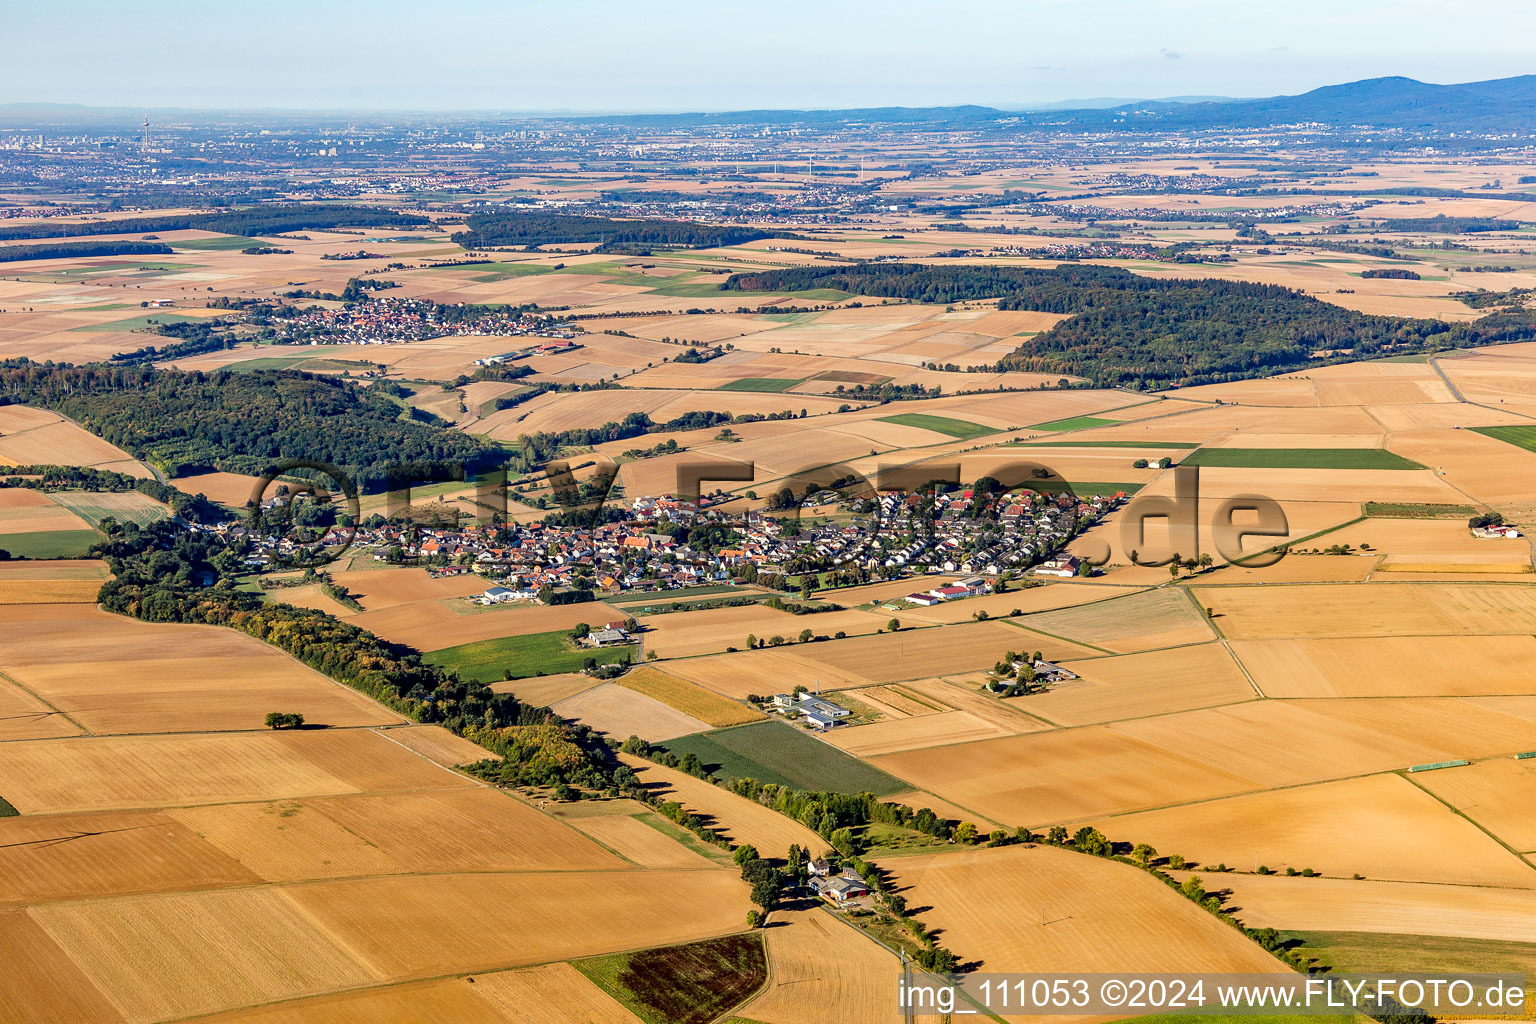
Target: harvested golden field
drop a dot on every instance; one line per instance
(543, 691)
(804, 944)
(1484, 467)
(1293, 568)
(1393, 666)
(55, 569)
(1280, 743)
(104, 773)
(460, 922)
(1099, 915)
(621, 712)
(24, 717)
(931, 730)
(47, 984)
(1380, 826)
(385, 588)
(1500, 795)
(22, 498)
(689, 698)
(80, 856)
(742, 820)
(1135, 685)
(712, 630)
(1371, 609)
(1398, 908)
(167, 956)
(48, 591)
(1033, 599)
(437, 744)
(529, 996)
(113, 674)
(232, 489)
(432, 625)
(462, 829)
(1061, 775)
(895, 701)
(37, 437)
(1409, 542)
(863, 660)
(310, 596)
(964, 693)
(635, 840)
(1138, 622)
(38, 519)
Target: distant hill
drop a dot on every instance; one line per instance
(1502, 105)
(1506, 104)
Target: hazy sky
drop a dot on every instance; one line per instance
(702, 55)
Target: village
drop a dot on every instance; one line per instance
(663, 543)
(387, 320)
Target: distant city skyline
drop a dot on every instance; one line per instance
(607, 56)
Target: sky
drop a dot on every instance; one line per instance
(686, 55)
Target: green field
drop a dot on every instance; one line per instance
(1520, 435)
(127, 507)
(532, 654)
(226, 242)
(1074, 423)
(140, 322)
(963, 429)
(6, 810)
(270, 363)
(1381, 952)
(1168, 445)
(1301, 458)
(785, 754)
(1416, 510)
(1085, 488)
(488, 272)
(690, 984)
(50, 543)
(762, 384)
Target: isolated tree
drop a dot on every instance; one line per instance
(1143, 853)
(893, 625)
(806, 635)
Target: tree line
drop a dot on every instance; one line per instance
(66, 250)
(254, 220)
(187, 422)
(1130, 330)
(537, 227)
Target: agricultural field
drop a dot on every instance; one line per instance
(165, 856)
(528, 654)
(110, 674)
(688, 698)
(284, 846)
(775, 752)
(1042, 909)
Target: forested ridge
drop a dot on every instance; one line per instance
(186, 422)
(513, 227)
(66, 250)
(1153, 332)
(253, 220)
